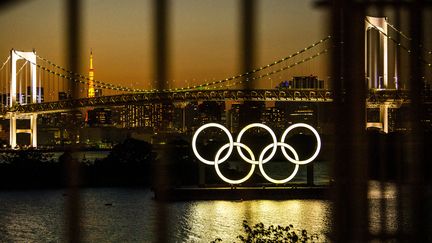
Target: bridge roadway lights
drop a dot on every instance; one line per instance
(13, 131)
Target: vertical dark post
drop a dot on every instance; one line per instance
(248, 39)
(72, 166)
(310, 174)
(248, 111)
(416, 163)
(160, 42)
(201, 175)
(350, 223)
(160, 176)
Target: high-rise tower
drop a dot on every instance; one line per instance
(91, 90)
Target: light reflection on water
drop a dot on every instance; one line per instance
(383, 205)
(39, 215)
(224, 219)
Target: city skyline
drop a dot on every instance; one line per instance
(204, 37)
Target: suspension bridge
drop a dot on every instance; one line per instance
(31, 84)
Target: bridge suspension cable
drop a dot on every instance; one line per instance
(407, 37)
(400, 44)
(281, 69)
(103, 84)
(21, 68)
(78, 78)
(398, 31)
(262, 67)
(5, 62)
(73, 79)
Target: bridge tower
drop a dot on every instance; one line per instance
(14, 116)
(376, 52)
(377, 69)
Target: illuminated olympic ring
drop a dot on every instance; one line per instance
(261, 159)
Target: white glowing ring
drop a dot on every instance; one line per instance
(231, 145)
(217, 162)
(318, 145)
(261, 159)
(273, 137)
(260, 164)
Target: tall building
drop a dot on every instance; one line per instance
(301, 112)
(91, 90)
(302, 82)
(192, 116)
(99, 117)
(274, 117)
(233, 119)
(211, 111)
(251, 112)
(136, 115)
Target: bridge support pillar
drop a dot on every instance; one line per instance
(13, 131)
(31, 58)
(382, 123)
(33, 128)
(384, 117)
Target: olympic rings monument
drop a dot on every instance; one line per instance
(259, 160)
(235, 190)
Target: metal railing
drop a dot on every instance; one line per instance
(350, 166)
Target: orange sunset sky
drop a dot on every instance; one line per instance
(204, 43)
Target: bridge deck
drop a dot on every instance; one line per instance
(300, 95)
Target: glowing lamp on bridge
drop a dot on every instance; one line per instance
(261, 158)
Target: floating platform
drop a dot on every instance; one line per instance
(242, 193)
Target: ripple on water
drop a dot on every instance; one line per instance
(132, 215)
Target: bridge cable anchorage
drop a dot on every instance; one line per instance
(428, 64)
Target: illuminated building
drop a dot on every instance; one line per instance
(274, 117)
(99, 117)
(158, 116)
(163, 116)
(304, 112)
(191, 116)
(133, 116)
(302, 82)
(234, 117)
(211, 111)
(251, 112)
